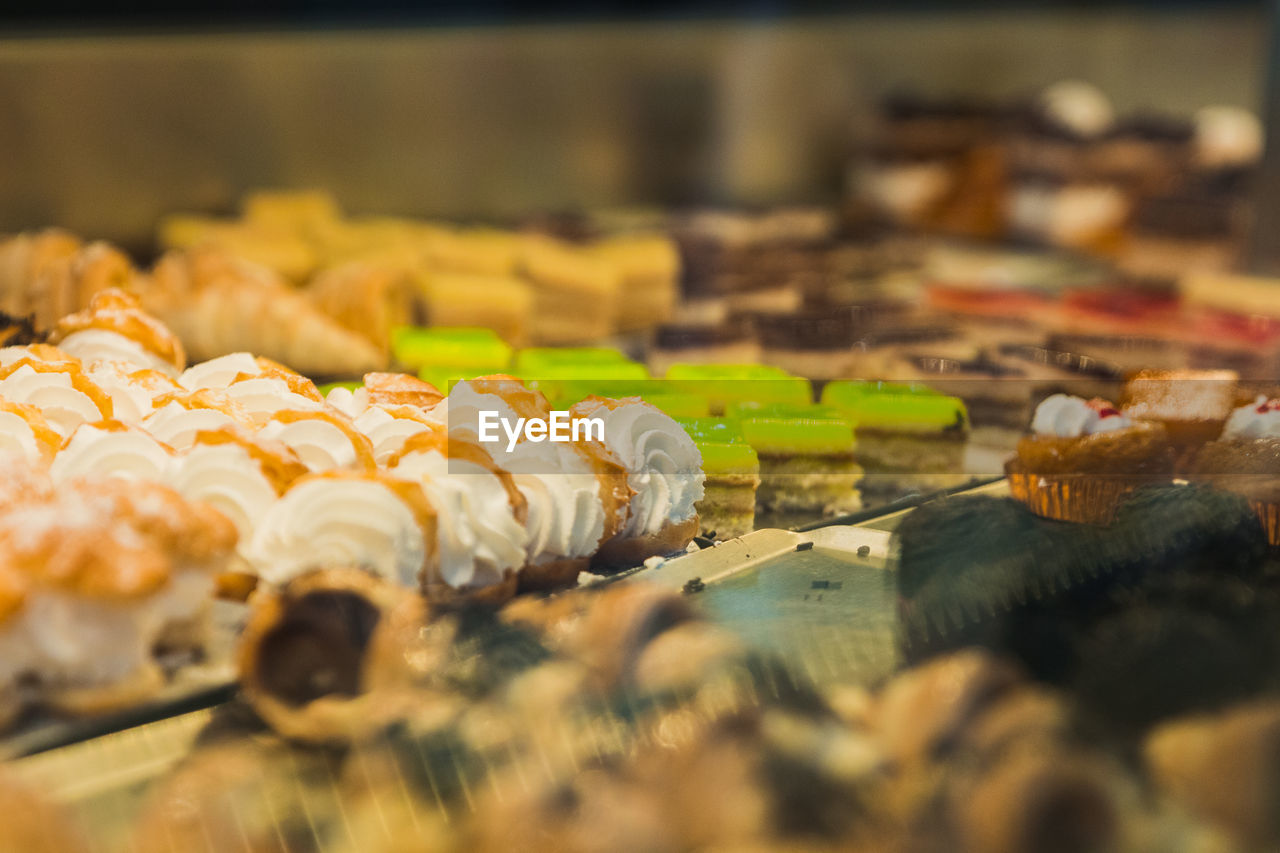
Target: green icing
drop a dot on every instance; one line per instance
(540, 360)
(785, 428)
(473, 350)
(725, 384)
(890, 406)
(723, 447)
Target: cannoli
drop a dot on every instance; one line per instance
(112, 449)
(324, 438)
(177, 417)
(115, 328)
(24, 432)
(62, 391)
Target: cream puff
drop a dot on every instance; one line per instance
(352, 518)
(62, 391)
(25, 433)
(112, 449)
(133, 392)
(481, 538)
(115, 328)
(664, 470)
(176, 418)
(323, 438)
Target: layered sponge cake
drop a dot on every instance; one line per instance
(732, 468)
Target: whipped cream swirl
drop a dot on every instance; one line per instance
(227, 477)
(132, 397)
(1065, 416)
(1259, 419)
(176, 425)
(125, 453)
(218, 373)
(264, 396)
(64, 406)
(386, 432)
(94, 345)
(664, 467)
(319, 443)
(339, 521)
(18, 437)
(478, 538)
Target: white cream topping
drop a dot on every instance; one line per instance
(331, 522)
(1259, 419)
(92, 451)
(319, 444)
(478, 538)
(350, 403)
(387, 432)
(64, 406)
(17, 437)
(1227, 136)
(229, 479)
(176, 425)
(218, 372)
(268, 395)
(1078, 106)
(664, 467)
(64, 639)
(130, 401)
(94, 345)
(1065, 416)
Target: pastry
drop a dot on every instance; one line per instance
(482, 538)
(909, 438)
(1193, 405)
(324, 438)
(177, 417)
(1246, 460)
(219, 304)
(25, 433)
(52, 273)
(112, 449)
(725, 384)
(503, 304)
(577, 493)
(815, 344)
(133, 392)
(732, 475)
(575, 294)
(369, 298)
(443, 354)
(62, 391)
(648, 267)
(664, 470)
(335, 518)
(115, 328)
(1084, 456)
(807, 458)
(98, 575)
(286, 253)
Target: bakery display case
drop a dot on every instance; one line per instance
(592, 429)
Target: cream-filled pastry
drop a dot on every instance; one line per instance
(389, 427)
(33, 352)
(218, 373)
(385, 389)
(237, 473)
(133, 392)
(576, 492)
(96, 576)
(112, 449)
(115, 328)
(338, 518)
(262, 396)
(664, 470)
(323, 438)
(62, 391)
(481, 538)
(25, 433)
(177, 418)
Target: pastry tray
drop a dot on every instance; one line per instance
(822, 600)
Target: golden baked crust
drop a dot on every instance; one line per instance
(79, 379)
(46, 352)
(297, 383)
(623, 552)
(114, 310)
(206, 398)
(1142, 449)
(112, 539)
(400, 389)
(279, 464)
(360, 443)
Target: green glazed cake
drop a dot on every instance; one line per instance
(726, 384)
(910, 437)
(807, 457)
(446, 353)
(732, 469)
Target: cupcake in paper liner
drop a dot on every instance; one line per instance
(1083, 456)
(1246, 460)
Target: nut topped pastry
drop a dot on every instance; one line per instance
(115, 328)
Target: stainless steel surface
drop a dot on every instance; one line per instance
(104, 134)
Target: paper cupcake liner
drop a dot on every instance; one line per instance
(1269, 514)
(1071, 497)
